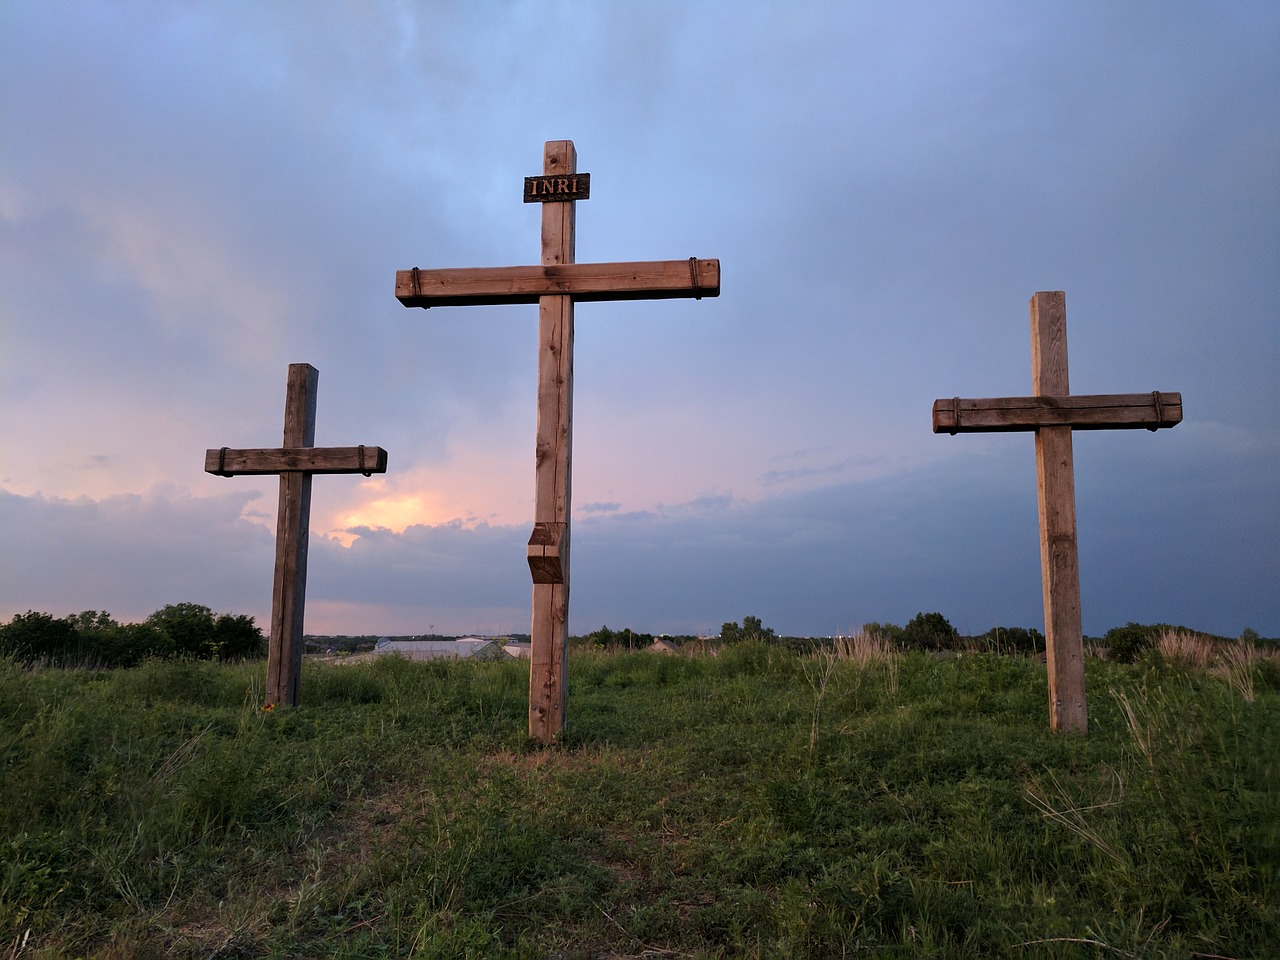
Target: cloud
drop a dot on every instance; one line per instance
(131, 554)
(192, 198)
(1160, 539)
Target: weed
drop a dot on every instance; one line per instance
(758, 804)
(817, 670)
(1053, 801)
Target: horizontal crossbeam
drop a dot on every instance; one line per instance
(584, 282)
(1119, 411)
(225, 462)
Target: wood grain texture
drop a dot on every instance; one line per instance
(548, 545)
(258, 461)
(548, 692)
(1056, 502)
(1052, 413)
(296, 462)
(293, 526)
(1049, 344)
(1060, 579)
(549, 630)
(1115, 411)
(584, 282)
(289, 590)
(556, 283)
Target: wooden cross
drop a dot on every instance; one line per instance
(295, 462)
(555, 285)
(1052, 414)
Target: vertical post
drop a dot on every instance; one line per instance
(293, 520)
(549, 633)
(1055, 485)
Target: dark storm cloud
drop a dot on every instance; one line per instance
(1161, 538)
(192, 197)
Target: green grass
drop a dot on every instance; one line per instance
(758, 804)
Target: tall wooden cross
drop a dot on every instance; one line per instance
(1052, 414)
(555, 285)
(296, 462)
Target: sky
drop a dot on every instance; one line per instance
(193, 196)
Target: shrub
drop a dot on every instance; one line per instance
(890, 632)
(196, 632)
(1011, 640)
(111, 644)
(1125, 644)
(930, 631)
(130, 644)
(626, 639)
(92, 638)
(236, 638)
(188, 625)
(751, 631)
(1268, 671)
(31, 636)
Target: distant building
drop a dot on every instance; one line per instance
(662, 646)
(520, 649)
(465, 648)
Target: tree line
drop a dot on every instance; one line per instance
(925, 631)
(94, 638)
(929, 632)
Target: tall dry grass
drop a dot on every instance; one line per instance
(864, 648)
(1235, 661)
(871, 650)
(865, 652)
(1187, 649)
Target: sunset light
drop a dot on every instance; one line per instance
(194, 198)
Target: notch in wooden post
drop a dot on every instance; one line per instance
(547, 545)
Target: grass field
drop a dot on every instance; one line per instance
(757, 804)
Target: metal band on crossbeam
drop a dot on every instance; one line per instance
(583, 282)
(555, 284)
(1157, 410)
(1053, 413)
(296, 462)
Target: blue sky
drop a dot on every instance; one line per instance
(194, 196)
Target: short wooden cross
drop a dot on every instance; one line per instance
(295, 462)
(1052, 414)
(555, 285)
